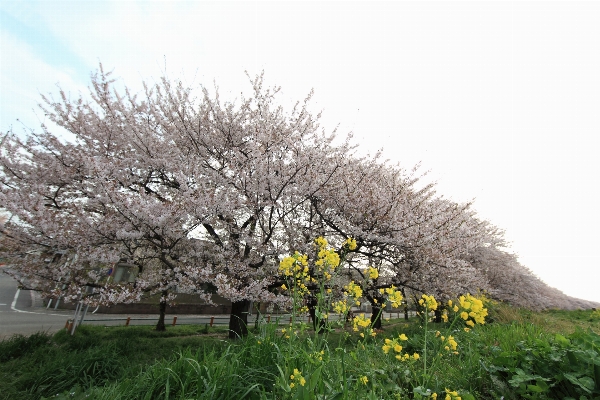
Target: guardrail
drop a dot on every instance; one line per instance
(211, 320)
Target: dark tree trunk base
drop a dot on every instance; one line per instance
(238, 319)
(160, 326)
(438, 315)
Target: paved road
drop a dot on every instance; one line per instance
(22, 312)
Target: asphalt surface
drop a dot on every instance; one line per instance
(21, 311)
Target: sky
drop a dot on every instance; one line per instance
(498, 101)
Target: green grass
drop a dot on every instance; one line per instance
(519, 355)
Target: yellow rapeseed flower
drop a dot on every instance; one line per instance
(373, 273)
(430, 301)
(350, 244)
(321, 242)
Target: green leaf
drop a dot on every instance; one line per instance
(315, 377)
(535, 389)
(560, 339)
(422, 391)
(586, 383)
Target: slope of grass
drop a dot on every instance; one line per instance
(521, 354)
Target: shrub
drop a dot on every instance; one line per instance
(557, 368)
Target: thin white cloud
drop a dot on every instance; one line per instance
(24, 78)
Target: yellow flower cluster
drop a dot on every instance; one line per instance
(321, 242)
(361, 321)
(452, 395)
(295, 266)
(340, 307)
(428, 302)
(445, 316)
(350, 244)
(327, 259)
(473, 311)
(363, 380)
(318, 355)
(297, 376)
(449, 343)
(372, 273)
(394, 296)
(303, 310)
(353, 290)
(394, 344)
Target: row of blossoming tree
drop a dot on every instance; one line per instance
(208, 197)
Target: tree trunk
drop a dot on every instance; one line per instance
(438, 315)
(160, 326)
(257, 307)
(238, 319)
(375, 317)
(406, 312)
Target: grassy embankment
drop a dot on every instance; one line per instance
(516, 354)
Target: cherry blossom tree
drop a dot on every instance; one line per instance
(412, 238)
(512, 282)
(199, 193)
(112, 193)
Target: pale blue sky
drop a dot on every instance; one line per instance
(499, 100)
